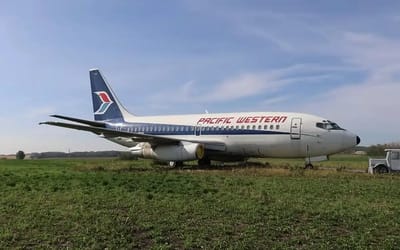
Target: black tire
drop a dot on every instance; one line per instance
(205, 162)
(179, 164)
(381, 169)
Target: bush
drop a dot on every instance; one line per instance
(20, 155)
(126, 156)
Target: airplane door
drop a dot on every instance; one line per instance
(295, 129)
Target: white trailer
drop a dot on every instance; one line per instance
(386, 165)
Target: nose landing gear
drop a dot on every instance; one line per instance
(308, 166)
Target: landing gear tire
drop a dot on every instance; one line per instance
(205, 162)
(309, 166)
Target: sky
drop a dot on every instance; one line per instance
(336, 59)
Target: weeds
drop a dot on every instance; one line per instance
(136, 204)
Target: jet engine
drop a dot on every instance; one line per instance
(184, 151)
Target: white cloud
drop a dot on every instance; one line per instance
(250, 84)
(244, 85)
(369, 50)
(269, 36)
(275, 100)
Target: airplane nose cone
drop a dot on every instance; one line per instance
(358, 140)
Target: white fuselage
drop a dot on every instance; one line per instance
(254, 134)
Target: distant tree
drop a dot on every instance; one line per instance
(379, 149)
(126, 156)
(20, 155)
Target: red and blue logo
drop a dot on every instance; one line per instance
(105, 102)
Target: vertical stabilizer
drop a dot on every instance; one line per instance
(105, 103)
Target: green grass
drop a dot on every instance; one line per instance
(338, 161)
(121, 204)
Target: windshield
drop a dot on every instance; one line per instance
(328, 125)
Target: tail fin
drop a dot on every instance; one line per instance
(105, 103)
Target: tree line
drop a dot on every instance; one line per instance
(86, 154)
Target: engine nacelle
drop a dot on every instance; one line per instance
(184, 151)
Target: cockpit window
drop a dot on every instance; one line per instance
(328, 125)
(320, 125)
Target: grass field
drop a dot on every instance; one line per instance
(134, 204)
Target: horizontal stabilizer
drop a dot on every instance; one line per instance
(87, 122)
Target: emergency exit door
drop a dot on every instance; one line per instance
(295, 129)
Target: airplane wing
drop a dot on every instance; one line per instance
(152, 139)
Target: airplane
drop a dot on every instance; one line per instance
(225, 137)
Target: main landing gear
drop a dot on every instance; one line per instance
(204, 162)
(175, 164)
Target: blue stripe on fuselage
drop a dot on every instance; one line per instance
(168, 129)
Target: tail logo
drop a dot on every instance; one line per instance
(105, 102)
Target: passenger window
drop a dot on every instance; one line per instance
(271, 127)
(265, 126)
(248, 126)
(277, 127)
(254, 126)
(259, 127)
(242, 126)
(395, 155)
